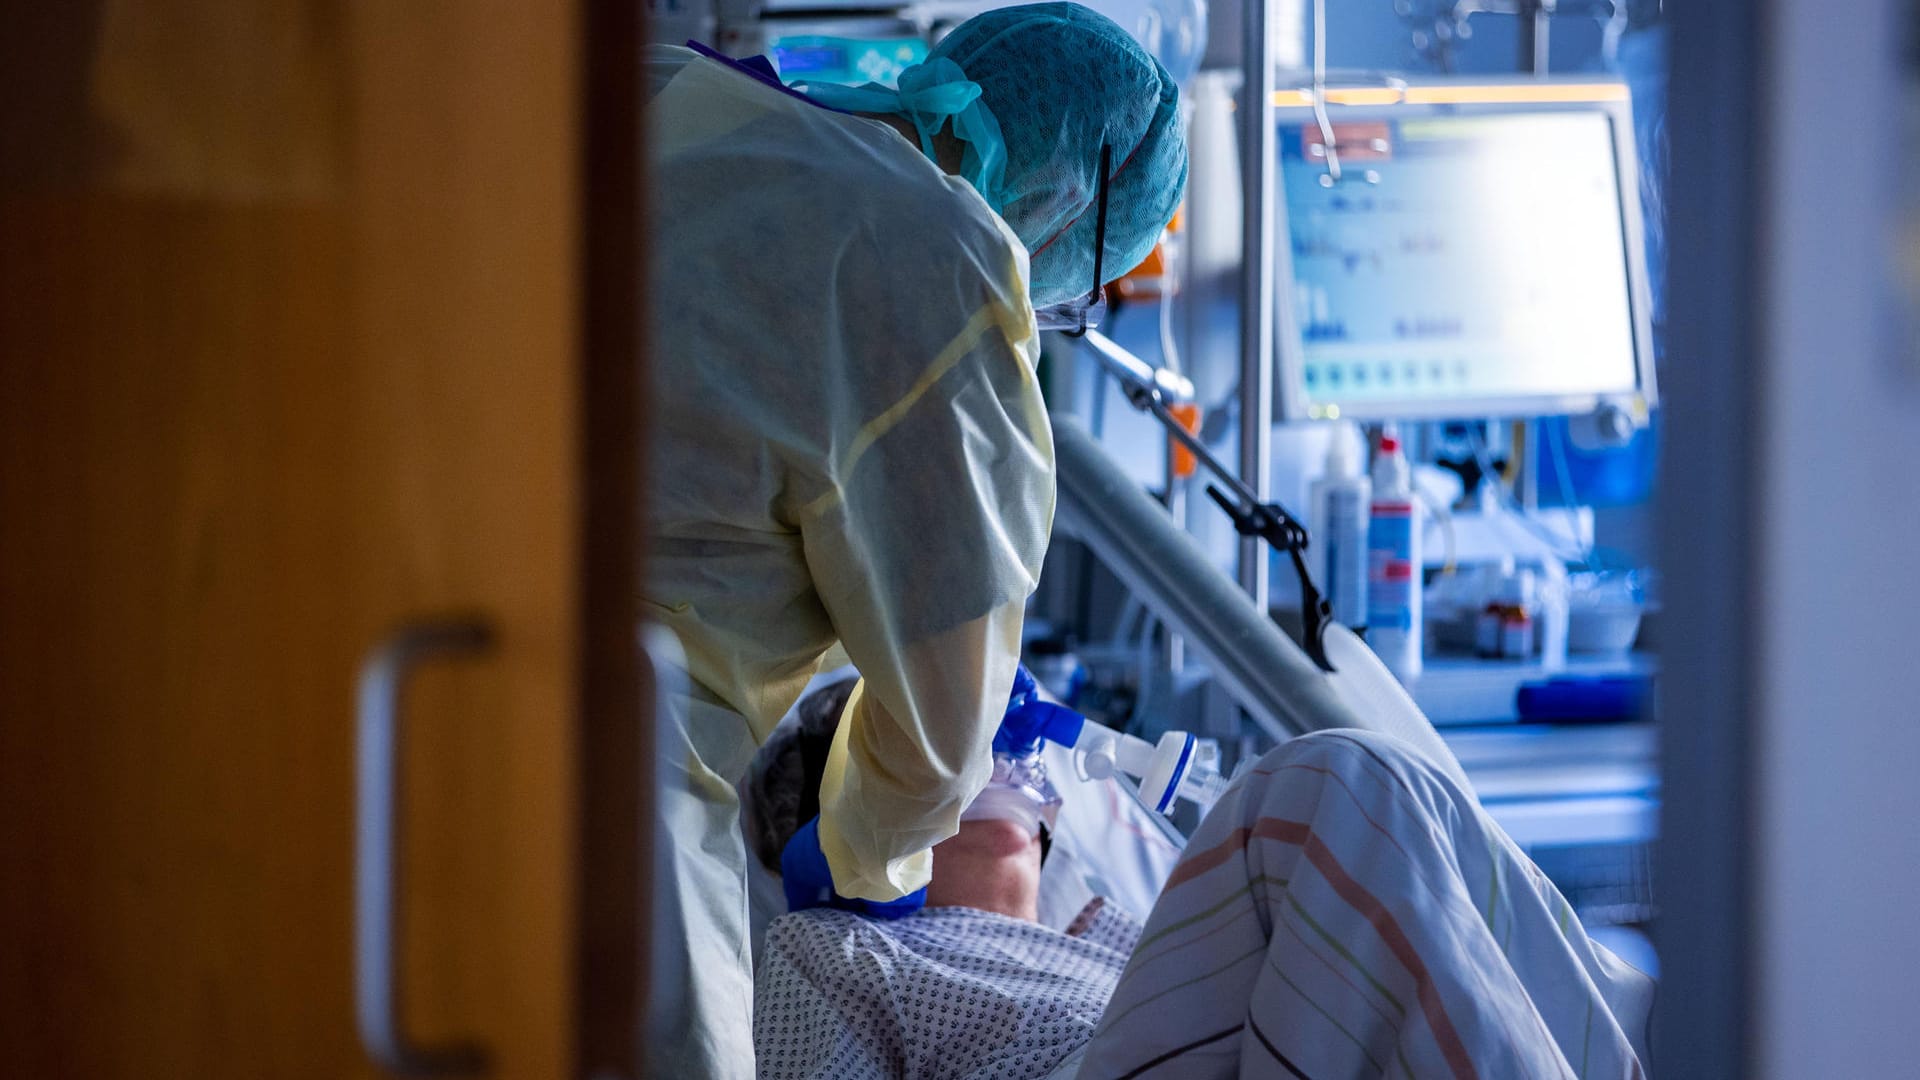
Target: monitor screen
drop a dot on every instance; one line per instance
(1465, 264)
(851, 60)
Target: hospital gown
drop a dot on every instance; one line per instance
(945, 993)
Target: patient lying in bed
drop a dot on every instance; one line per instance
(1344, 910)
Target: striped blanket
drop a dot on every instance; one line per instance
(1347, 910)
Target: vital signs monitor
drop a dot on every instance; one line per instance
(1455, 251)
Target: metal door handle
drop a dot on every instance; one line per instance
(376, 982)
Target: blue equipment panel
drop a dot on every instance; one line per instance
(846, 60)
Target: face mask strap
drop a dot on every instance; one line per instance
(1099, 246)
(814, 750)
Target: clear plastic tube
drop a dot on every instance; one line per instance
(1203, 785)
(1179, 766)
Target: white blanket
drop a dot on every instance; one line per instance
(1347, 910)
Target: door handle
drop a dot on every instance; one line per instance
(376, 981)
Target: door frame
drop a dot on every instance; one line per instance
(615, 718)
(1709, 528)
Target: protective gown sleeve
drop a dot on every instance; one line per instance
(924, 558)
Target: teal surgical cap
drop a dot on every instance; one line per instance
(1056, 83)
(1063, 80)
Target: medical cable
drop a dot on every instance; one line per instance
(1449, 541)
(1505, 498)
(1328, 141)
(1097, 413)
(1147, 662)
(1560, 470)
(1169, 352)
(1592, 557)
(1123, 637)
(1589, 555)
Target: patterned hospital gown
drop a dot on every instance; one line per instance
(947, 992)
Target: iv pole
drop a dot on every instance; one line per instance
(1257, 144)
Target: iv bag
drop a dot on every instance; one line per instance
(1174, 31)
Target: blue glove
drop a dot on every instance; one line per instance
(1028, 719)
(809, 884)
(1025, 689)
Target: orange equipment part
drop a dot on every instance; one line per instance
(1184, 463)
(1148, 281)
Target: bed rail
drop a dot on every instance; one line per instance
(1258, 665)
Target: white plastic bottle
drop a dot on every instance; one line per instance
(1394, 580)
(1340, 505)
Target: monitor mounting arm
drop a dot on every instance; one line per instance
(1149, 390)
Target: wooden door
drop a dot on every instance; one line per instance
(295, 348)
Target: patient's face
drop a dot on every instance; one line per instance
(992, 865)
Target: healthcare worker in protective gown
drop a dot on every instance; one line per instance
(851, 451)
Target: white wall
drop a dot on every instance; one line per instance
(1837, 789)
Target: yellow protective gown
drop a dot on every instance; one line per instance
(851, 450)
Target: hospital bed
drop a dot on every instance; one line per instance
(1108, 843)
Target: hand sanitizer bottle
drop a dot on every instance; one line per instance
(1341, 505)
(1394, 578)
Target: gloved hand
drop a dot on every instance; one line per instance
(809, 883)
(1025, 688)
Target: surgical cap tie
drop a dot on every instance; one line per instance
(930, 94)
